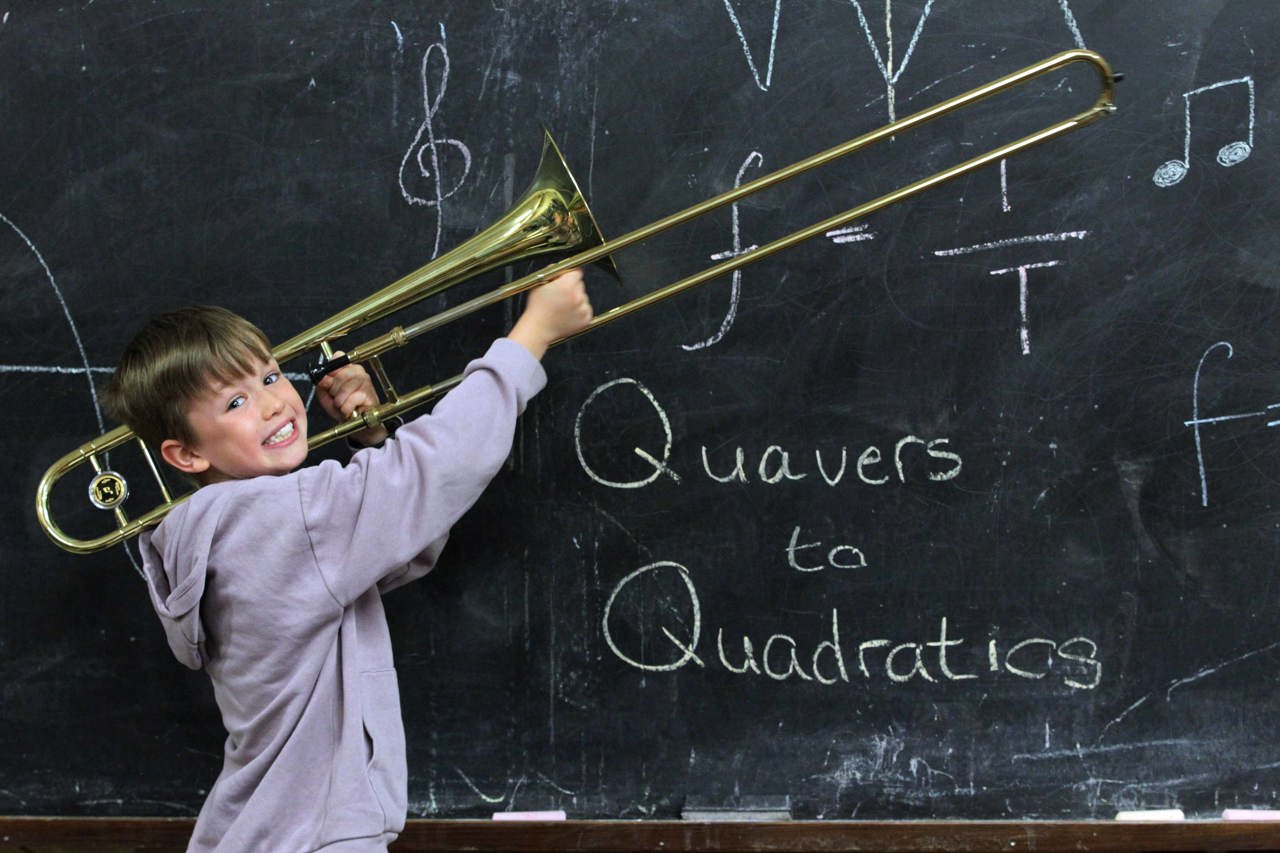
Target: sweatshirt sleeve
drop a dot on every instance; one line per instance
(390, 504)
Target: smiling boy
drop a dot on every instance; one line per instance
(270, 576)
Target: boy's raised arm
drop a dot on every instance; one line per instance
(554, 310)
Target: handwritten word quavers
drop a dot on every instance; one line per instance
(910, 457)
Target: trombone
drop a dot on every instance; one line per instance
(552, 216)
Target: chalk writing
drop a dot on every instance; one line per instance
(425, 149)
(885, 61)
(1071, 23)
(659, 465)
(850, 234)
(912, 457)
(1070, 20)
(397, 61)
(1268, 413)
(51, 368)
(1024, 328)
(838, 557)
(1182, 682)
(1231, 154)
(775, 464)
(71, 324)
(788, 657)
(1012, 241)
(746, 48)
(84, 367)
(755, 158)
(695, 610)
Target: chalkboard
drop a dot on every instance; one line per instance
(963, 511)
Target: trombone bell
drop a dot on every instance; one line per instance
(551, 216)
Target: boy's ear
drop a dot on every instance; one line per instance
(183, 457)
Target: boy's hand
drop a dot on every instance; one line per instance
(346, 391)
(554, 310)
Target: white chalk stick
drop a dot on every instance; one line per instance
(1251, 814)
(551, 815)
(1152, 814)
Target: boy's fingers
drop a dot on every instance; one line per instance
(568, 277)
(347, 390)
(354, 402)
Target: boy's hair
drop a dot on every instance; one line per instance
(172, 361)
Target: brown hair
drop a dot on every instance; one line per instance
(172, 361)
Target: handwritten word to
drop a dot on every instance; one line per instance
(1268, 414)
(838, 557)
(911, 456)
(1231, 154)
(831, 660)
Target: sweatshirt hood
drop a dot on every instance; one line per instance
(175, 564)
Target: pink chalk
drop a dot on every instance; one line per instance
(552, 815)
(1251, 814)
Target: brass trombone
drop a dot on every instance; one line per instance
(552, 215)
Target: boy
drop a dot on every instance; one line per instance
(270, 578)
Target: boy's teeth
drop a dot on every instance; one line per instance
(285, 432)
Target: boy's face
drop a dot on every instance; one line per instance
(252, 426)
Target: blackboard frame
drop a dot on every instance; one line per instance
(49, 834)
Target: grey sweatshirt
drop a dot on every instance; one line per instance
(273, 585)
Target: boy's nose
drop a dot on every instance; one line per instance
(272, 404)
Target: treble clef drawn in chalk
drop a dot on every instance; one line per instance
(425, 150)
(1230, 154)
(753, 159)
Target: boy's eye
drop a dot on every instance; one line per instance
(236, 402)
(271, 378)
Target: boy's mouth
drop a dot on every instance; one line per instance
(281, 435)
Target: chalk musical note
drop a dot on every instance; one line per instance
(426, 154)
(1237, 151)
(753, 159)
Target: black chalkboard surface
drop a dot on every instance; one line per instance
(964, 511)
